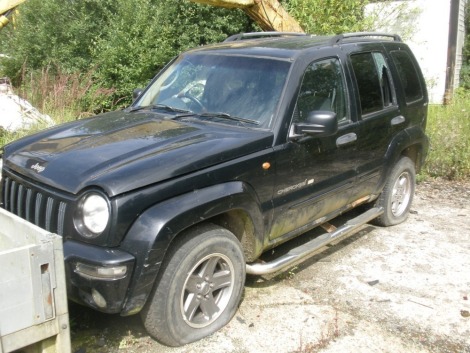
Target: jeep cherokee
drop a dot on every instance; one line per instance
(231, 150)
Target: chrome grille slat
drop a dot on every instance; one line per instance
(49, 209)
(20, 200)
(61, 218)
(35, 206)
(29, 195)
(6, 193)
(37, 209)
(13, 197)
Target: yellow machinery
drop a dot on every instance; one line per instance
(6, 9)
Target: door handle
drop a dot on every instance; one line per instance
(345, 139)
(397, 120)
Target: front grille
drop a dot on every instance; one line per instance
(34, 205)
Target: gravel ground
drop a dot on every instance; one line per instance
(399, 289)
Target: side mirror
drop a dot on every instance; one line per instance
(319, 123)
(137, 92)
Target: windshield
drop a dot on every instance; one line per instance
(217, 85)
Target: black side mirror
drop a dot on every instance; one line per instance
(319, 123)
(137, 92)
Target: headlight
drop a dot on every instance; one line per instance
(93, 215)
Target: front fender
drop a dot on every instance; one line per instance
(151, 234)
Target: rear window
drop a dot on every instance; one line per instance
(408, 76)
(373, 81)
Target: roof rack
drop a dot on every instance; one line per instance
(255, 35)
(340, 37)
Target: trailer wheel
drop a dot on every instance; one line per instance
(200, 287)
(397, 195)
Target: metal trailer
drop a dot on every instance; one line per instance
(33, 299)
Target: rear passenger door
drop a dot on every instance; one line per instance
(378, 113)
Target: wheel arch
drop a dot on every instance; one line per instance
(412, 143)
(232, 205)
(415, 153)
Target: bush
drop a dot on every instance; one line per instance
(123, 43)
(328, 16)
(146, 34)
(52, 32)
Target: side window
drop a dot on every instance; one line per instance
(373, 81)
(322, 89)
(408, 76)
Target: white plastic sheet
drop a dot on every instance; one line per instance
(16, 113)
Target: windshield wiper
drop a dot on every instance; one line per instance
(161, 107)
(228, 117)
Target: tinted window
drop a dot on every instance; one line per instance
(408, 76)
(373, 81)
(322, 89)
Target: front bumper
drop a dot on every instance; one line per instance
(97, 277)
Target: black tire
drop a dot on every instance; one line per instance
(397, 195)
(199, 289)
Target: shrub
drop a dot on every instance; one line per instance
(328, 16)
(123, 43)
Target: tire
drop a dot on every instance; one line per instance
(199, 289)
(397, 195)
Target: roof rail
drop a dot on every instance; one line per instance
(255, 35)
(340, 37)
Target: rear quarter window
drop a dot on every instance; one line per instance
(408, 76)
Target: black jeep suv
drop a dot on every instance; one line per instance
(231, 150)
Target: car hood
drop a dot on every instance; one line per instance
(122, 151)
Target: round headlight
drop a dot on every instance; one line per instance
(95, 214)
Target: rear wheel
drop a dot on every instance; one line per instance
(199, 289)
(397, 195)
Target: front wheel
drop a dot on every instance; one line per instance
(397, 195)
(200, 287)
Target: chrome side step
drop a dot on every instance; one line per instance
(314, 245)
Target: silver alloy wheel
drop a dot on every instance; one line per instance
(401, 194)
(207, 290)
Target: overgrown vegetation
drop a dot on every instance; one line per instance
(329, 16)
(449, 131)
(119, 44)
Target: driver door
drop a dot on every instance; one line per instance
(315, 174)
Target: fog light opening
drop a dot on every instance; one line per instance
(98, 298)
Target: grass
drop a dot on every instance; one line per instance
(449, 133)
(63, 96)
(67, 97)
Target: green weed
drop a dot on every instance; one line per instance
(449, 133)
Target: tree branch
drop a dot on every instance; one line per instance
(268, 14)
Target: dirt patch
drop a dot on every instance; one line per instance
(399, 289)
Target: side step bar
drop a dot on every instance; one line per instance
(314, 245)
